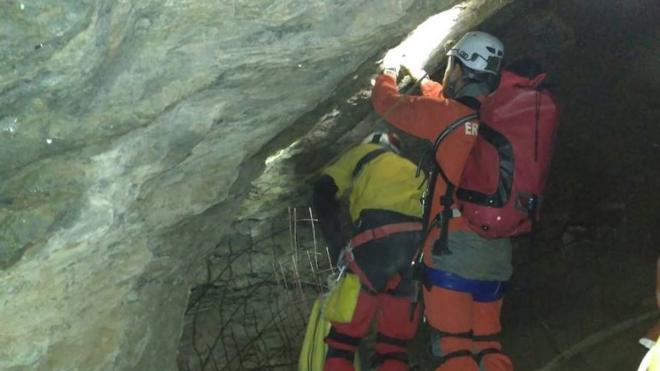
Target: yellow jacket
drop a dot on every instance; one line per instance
(387, 182)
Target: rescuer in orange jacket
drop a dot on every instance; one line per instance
(463, 290)
(384, 203)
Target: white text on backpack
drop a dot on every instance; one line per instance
(471, 128)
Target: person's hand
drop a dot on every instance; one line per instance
(391, 62)
(416, 73)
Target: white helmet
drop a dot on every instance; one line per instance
(479, 51)
(385, 139)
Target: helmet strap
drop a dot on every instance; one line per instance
(469, 84)
(473, 89)
(477, 84)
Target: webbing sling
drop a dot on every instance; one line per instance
(370, 235)
(384, 231)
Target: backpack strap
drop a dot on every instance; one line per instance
(441, 246)
(367, 158)
(504, 150)
(437, 169)
(427, 200)
(471, 102)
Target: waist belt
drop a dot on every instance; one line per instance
(384, 231)
(483, 291)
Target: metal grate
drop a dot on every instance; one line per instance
(251, 312)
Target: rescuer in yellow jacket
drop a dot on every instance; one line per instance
(384, 203)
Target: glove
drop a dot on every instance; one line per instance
(415, 72)
(391, 62)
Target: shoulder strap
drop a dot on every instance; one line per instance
(435, 167)
(367, 158)
(451, 127)
(471, 102)
(442, 244)
(442, 136)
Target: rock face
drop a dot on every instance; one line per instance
(123, 126)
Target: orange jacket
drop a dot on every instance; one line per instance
(425, 117)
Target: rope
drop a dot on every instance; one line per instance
(595, 339)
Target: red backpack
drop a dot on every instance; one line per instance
(502, 184)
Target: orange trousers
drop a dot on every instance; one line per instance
(464, 336)
(395, 328)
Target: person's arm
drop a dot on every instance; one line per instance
(416, 115)
(327, 208)
(335, 181)
(430, 88)
(427, 87)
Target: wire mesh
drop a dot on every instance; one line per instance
(251, 312)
